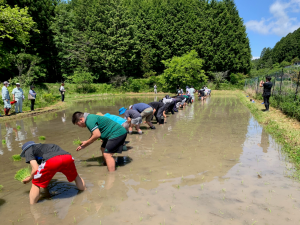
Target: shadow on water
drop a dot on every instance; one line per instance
(2, 201)
(120, 160)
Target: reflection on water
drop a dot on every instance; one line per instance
(201, 167)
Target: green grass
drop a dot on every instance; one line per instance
(42, 138)
(22, 174)
(77, 142)
(16, 158)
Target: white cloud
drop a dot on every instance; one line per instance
(280, 23)
(255, 57)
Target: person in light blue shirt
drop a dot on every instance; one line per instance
(6, 98)
(33, 96)
(116, 119)
(18, 95)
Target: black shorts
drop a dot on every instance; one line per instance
(114, 145)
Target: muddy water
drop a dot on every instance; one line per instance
(211, 163)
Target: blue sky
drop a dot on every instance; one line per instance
(267, 21)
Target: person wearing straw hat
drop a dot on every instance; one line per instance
(6, 98)
(18, 95)
(133, 118)
(46, 160)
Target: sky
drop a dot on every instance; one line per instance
(267, 21)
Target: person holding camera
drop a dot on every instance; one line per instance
(267, 91)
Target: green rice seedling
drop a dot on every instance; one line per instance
(22, 174)
(171, 207)
(19, 127)
(1, 187)
(42, 138)
(77, 142)
(16, 158)
(148, 203)
(3, 142)
(85, 109)
(178, 186)
(141, 218)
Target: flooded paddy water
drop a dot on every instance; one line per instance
(211, 163)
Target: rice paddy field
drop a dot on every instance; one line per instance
(211, 163)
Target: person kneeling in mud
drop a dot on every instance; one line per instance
(112, 134)
(46, 160)
(133, 118)
(159, 111)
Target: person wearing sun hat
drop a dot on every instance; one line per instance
(46, 160)
(18, 95)
(133, 117)
(6, 98)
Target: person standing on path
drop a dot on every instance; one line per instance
(18, 95)
(146, 112)
(62, 92)
(155, 89)
(46, 160)
(267, 91)
(112, 134)
(6, 98)
(31, 97)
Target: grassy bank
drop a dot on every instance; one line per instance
(284, 129)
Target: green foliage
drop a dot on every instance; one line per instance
(182, 71)
(16, 158)
(83, 79)
(42, 138)
(15, 24)
(22, 174)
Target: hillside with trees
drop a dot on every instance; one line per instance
(103, 40)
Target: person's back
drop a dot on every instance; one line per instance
(117, 119)
(192, 91)
(156, 105)
(140, 107)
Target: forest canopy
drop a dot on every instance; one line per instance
(127, 38)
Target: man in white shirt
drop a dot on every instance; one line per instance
(62, 91)
(18, 95)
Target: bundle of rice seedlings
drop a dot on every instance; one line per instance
(16, 158)
(3, 142)
(22, 174)
(1, 186)
(19, 127)
(77, 142)
(42, 138)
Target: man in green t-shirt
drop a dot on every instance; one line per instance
(112, 134)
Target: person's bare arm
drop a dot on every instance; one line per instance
(34, 168)
(261, 84)
(154, 110)
(95, 135)
(13, 97)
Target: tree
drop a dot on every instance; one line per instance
(184, 70)
(220, 77)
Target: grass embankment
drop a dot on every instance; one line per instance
(49, 99)
(284, 129)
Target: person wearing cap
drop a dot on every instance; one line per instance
(112, 134)
(133, 118)
(62, 91)
(146, 112)
(46, 160)
(6, 98)
(18, 96)
(32, 98)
